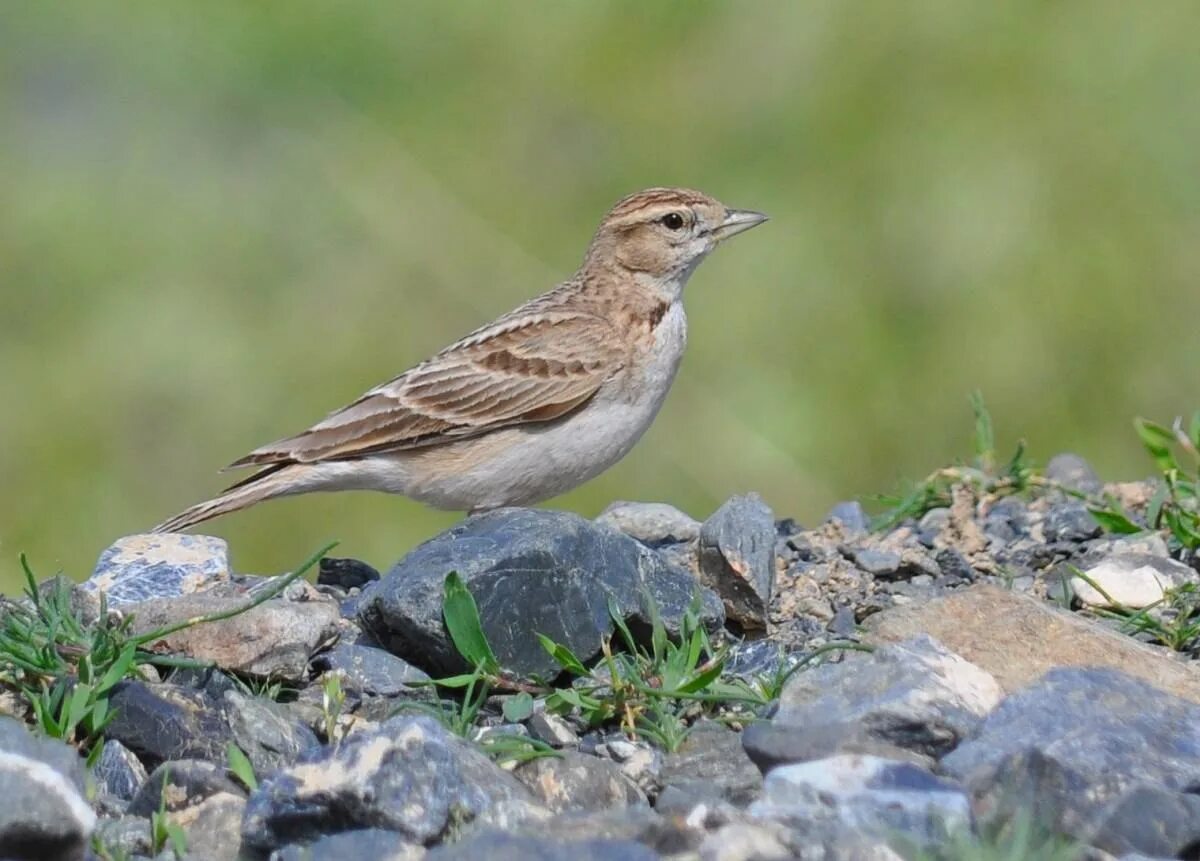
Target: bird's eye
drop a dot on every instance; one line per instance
(673, 221)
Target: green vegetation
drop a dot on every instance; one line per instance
(654, 693)
(241, 767)
(163, 832)
(65, 666)
(1020, 838)
(219, 224)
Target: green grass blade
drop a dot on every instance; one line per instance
(462, 621)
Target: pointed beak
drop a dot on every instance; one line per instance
(738, 221)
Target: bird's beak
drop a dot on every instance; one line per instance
(738, 221)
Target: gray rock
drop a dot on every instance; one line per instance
(530, 571)
(371, 670)
(139, 567)
(671, 836)
(915, 695)
(1070, 521)
(877, 562)
(651, 523)
(275, 640)
(576, 781)
(552, 729)
(164, 721)
(864, 795)
(639, 761)
(1086, 747)
(770, 744)
(709, 767)
(181, 783)
(118, 772)
(409, 776)
(737, 559)
(744, 841)
(497, 846)
(1074, 473)
(268, 733)
(851, 516)
(212, 828)
(129, 835)
(364, 843)
(44, 814)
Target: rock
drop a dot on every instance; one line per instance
(118, 772)
(268, 733)
(181, 783)
(409, 776)
(165, 721)
(576, 781)
(1073, 473)
(124, 837)
(915, 695)
(1017, 639)
(497, 846)
(740, 841)
(273, 640)
(883, 564)
(1075, 744)
(851, 516)
(530, 571)
(737, 559)
(345, 573)
(371, 670)
(44, 814)
(212, 828)
(1133, 581)
(552, 729)
(637, 760)
(160, 565)
(375, 844)
(1070, 521)
(770, 744)
(670, 836)
(709, 767)
(652, 523)
(864, 795)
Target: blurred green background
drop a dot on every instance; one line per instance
(219, 221)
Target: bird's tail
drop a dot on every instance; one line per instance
(265, 484)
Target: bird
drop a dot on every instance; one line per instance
(529, 406)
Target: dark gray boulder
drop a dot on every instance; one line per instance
(530, 571)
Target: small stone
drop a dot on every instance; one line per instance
(878, 563)
(1133, 581)
(737, 559)
(371, 670)
(1071, 522)
(529, 570)
(409, 776)
(118, 772)
(274, 639)
(212, 828)
(576, 781)
(743, 841)
(851, 515)
(268, 733)
(864, 795)
(552, 729)
(345, 573)
(652, 523)
(1073, 473)
(160, 565)
(44, 814)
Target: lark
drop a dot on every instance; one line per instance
(527, 407)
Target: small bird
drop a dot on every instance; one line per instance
(527, 407)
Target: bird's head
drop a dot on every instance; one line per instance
(661, 234)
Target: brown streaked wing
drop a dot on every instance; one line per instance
(518, 371)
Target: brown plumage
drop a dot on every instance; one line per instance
(536, 367)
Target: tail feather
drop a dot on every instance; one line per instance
(264, 484)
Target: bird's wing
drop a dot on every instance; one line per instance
(524, 368)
